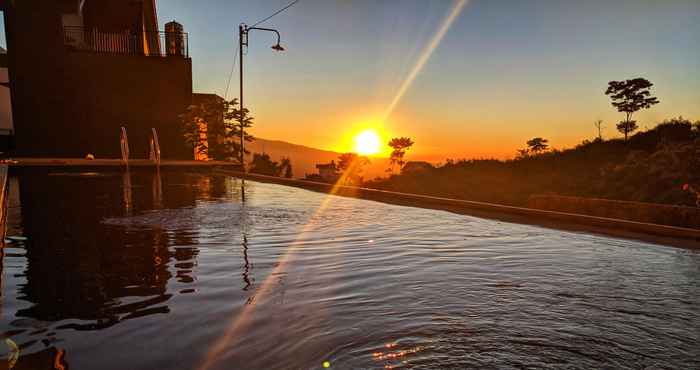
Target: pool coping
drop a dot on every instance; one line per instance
(655, 233)
(111, 162)
(3, 204)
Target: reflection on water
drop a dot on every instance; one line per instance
(145, 270)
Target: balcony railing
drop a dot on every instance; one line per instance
(152, 44)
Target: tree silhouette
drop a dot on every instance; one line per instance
(285, 167)
(599, 125)
(262, 164)
(202, 124)
(399, 145)
(625, 127)
(523, 153)
(537, 145)
(232, 116)
(350, 165)
(628, 97)
(213, 128)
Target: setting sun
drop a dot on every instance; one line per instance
(367, 142)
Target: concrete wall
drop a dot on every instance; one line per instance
(137, 92)
(70, 103)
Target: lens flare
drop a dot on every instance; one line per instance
(425, 55)
(241, 319)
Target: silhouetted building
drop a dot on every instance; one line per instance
(80, 69)
(327, 172)
(416, 167)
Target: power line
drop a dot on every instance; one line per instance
(275, 13)
(230, 75)
(235, 57)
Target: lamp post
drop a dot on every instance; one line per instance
(243, 31)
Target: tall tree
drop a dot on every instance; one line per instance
(625, 127)
(193, 128)
(203, 127)
(630, 96)
(212, 128)
(537, 145)
(232, 118)
(399, 146)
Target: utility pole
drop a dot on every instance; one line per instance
(243, 31)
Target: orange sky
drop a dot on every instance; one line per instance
(473, 78)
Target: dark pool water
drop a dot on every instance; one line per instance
(176, 272)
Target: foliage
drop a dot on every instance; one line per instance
(286, 167)
(537, 145)
(262, 164)
(655, 165)
(234, 118)
(193, 125)
(350, 166)
(630, 96)
(399, 146)
(626, 127)
(213, 128)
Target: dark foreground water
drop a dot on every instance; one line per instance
(175, 272)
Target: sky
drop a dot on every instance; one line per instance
(503, 72)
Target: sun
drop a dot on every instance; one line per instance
(367, 142)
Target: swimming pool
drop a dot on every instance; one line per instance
(174, 271)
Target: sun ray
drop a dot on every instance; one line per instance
(425, 56)
(239, 321)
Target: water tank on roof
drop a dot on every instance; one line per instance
(175, 39)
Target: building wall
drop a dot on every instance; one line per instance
(5, 101)
(70, 103)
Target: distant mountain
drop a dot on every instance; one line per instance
(304, 158)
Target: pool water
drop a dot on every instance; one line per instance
(174, 271)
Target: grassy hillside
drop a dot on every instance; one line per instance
(651, 167)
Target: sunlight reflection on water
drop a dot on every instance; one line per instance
(369, 285)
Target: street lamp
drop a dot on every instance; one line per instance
(243, 31)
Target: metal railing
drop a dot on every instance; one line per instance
(148, 43)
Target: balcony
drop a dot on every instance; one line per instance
(151, 44)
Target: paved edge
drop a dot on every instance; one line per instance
(3, 205)
(662, 234)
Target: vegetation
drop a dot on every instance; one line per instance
(537, 145)
(599, 126)
(399, 146)
(350, 166)
(652, 166)
(263, 165)
(213, 128)
(630, 96)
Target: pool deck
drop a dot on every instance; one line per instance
(655, 233)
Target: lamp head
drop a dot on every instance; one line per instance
(277, 47)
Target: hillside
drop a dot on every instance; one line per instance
(653, 166)
(304, 158)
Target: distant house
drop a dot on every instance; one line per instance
(413, 167)
(327, 172)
